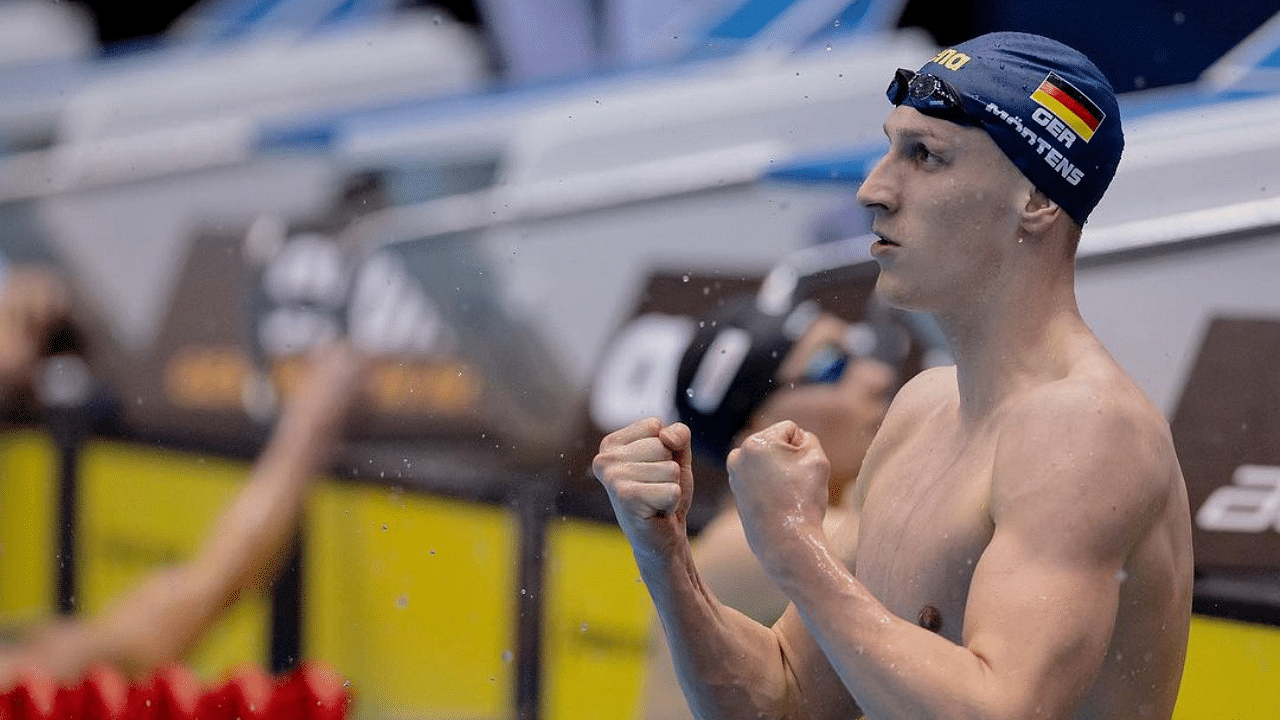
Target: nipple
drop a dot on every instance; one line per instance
(930, 619)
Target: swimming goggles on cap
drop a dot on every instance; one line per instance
(927, 93)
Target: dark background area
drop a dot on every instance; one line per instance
(1138, 44)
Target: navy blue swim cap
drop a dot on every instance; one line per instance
(1047, 107)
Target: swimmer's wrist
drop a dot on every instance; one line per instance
(799, 545)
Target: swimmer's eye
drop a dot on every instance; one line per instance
(922, 154)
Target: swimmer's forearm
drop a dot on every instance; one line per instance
(161, 618)
(893, 668)
(251, 538)
(729, 665)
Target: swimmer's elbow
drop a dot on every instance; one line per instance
(984, 664)
(993, 697)
(804, 694)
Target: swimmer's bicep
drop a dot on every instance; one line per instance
(1041, 626)
(1044, 595)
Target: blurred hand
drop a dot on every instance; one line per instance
(33, 301)
(329, 389)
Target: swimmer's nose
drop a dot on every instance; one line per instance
(875, 192)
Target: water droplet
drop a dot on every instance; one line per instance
(582, 627)
(384, 527)
(1179, 18)
(507, 656)
(402, 602)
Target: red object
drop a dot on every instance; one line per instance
(172, 693)
(312, 691)
(103, 694)
(31, 698)
(248, 693)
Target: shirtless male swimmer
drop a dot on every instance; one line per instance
(1019, 541)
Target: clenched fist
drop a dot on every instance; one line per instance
(779, 481)
(645, 467)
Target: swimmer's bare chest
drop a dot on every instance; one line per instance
(923, 526)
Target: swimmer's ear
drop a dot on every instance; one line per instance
(1039, 213)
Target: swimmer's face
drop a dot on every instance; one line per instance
(947, 204)
(844, 413)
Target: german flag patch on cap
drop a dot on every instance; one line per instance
(1070, 105)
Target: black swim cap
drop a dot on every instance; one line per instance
(730, 367)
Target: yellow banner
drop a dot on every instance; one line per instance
(1232, 671)
(144, 508)
(28, 513)
(595, 624)
(413, 598)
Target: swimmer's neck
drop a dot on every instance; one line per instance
(1008, 347)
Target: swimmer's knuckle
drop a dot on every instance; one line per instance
(600, 468)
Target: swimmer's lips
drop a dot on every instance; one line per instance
(881, 239)
(882, 243)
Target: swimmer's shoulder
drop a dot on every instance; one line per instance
(1098, 391)
(923, 394)
(1096, 418)
(927, 393)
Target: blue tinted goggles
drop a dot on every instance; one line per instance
(827, 365)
